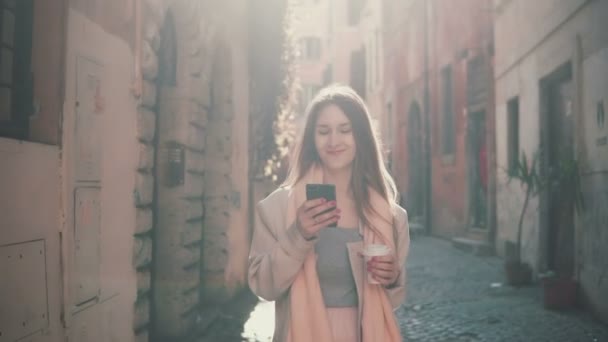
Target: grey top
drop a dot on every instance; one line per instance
(333, 266)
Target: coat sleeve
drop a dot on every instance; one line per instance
(276, 256)
(396, 292)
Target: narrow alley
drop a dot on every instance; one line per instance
(139, 137)
(453, 296)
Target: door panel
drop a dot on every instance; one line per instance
(560, 203)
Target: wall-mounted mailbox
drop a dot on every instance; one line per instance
(175, 164)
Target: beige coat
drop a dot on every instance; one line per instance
(278, 253)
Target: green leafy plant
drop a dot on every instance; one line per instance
(526, 172)
(564, 177)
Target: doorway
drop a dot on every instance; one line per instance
(477, 169)
(416, 197)
(557, 134)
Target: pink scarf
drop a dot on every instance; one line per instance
(308, 317)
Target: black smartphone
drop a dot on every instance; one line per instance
(327, 191)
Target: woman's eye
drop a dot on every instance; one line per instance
(323, 132)
(345, 130)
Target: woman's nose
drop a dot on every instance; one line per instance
(334, 138)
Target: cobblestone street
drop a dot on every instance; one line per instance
(452, 296)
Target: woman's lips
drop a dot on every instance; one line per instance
(335, 153)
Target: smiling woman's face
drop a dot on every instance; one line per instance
(334, 138)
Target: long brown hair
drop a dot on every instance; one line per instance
(368, 166)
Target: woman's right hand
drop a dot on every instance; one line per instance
(309, 224)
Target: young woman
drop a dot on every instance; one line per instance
(316, 274)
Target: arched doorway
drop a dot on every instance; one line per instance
(415, 191)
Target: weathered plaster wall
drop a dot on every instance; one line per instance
(29, 212)
(110, 316)
(532, 40)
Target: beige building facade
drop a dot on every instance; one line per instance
(124, 167)
(551, 69)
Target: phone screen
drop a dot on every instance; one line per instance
(327, 191)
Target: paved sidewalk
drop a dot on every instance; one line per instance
(451, 297)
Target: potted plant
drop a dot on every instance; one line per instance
(560, 291)
(519, 273)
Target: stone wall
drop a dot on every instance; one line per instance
(218, 159)
(172, 119)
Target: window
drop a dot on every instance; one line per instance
(327, 75)
(16, 82)
(310, 48)
(358, 70)
(307, 93)
(354, 11)
(167, 59)
(512, 133)
(447, 123)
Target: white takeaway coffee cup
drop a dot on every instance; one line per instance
(371, 251)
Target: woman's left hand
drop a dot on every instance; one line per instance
(384, 269)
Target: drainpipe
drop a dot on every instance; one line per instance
(137, 82)
(427, 128)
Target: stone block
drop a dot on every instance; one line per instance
(227, 109)
(197, 68)
(215, 257)
(193, 186)
(215, 226)
(196, 138)
(192, 233)
(218, 169)
(142, 251)
(154, 11)
(202, 86)
(189, 301)
(144, 189)
(145, 158)
(148, 98)
(219, 188)
(187, 256)
(214, 287)
(142, 313)
(149, 64)
(143, 282)
(218, 146)
(195, 161)
(216, 202)
(146, 124)
(152, 35)
(194, 209)
(198, 115)
(143, 220)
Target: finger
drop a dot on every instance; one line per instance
(313, 203)
(382, 266)
(321, 208)
(323, 224)
(382, 281)
(382, 274)
(384, 258)
(327, 216)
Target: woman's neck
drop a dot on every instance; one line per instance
(340, 178)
